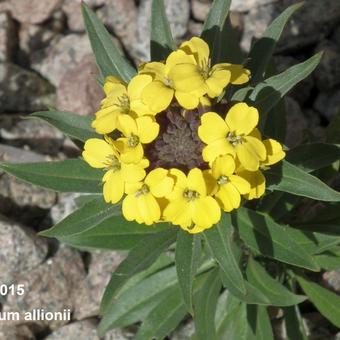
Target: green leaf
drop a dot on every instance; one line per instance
(205, 307)
(263, 49)
(143, 255)
(287, 177)
(219, 240)
(264, 236)
(86, 217)
(162, 42)
(137, 301)
(164, 317)
(329, 260)
(113, 233)
(294, 324)
(314, 156)
(213, 26)
(259, 324)
(327, 302)
(72, 175)
(275, 124)
(333, 130)
(268, 93)
(71, 124)
(276, 293)
(188, 251)
(109, 59)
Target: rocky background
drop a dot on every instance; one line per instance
(46, 61)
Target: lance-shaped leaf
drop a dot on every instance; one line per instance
(164, 317)
(259, 326)
(213, 26)
(264, 236)
(72, 175)
(268, 93)
(278, 294)
(329, 260)
(143, 255)
(275, 124)
(289, 178)
(314, 156)
(220, 242)
(327, 302)
(162, 42)
(205, 307)
(88, 216)
(263, 48)
(294, 324)
(114, 233)
(109, 59)
(137, 301)
(71, 124)
(188, 253)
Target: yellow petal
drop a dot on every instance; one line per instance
(229, 197)
(217, 148)
(242, 119)
(113, 84)
(223, 166)
(131, 154)
(148, 209)
(179, 212)
(217, 81)
(199, 48)
(137, 84)
(148, 129)
(157, 96)
(257, 183)
(206, 212)
(159, 182)
(212, 128)
(187, 100)
(133, 187)
(97, 152)
(127, 125)
(239, 75)
(113, 189)
(155, 68)
(129, 207)
(106, 120)
(257, 146)
(250, 153)
(242, 186)
(132, 172)
(186, 78)
(274, 150)
(178, 57)
(196, 181)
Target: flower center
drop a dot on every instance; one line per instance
(133, 141)
(124, 102)
(190, 195)
(204, 69)
(112, 163)
(222, 180)
(143, 190)
(234, 139)
(168, 82)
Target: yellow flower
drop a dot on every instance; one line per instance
(229, 187)
(189, 205)
(103, 154)
(121, 100)
(235, 135)
(159, 94)
(275, 152)
(257, 183)
(197, 74)
(142, 130)
(141, 203)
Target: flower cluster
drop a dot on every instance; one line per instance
(170, 151)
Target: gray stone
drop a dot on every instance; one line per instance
(21, 332)
(296, 123)
(21, 250)
(7, 37)
(120, 16)
(247, 5)
(119, 334)
(178, 13)
(102, 265)
(11, 154)
(200, 9)
(52, 286)
(327, 74)
(32, 134)
(65, 206)
(85, 329)
(328, 103)
(184, 331)
(25, 91)
(58, 59)
(33, 11)
(78, 90)
(331, 280)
